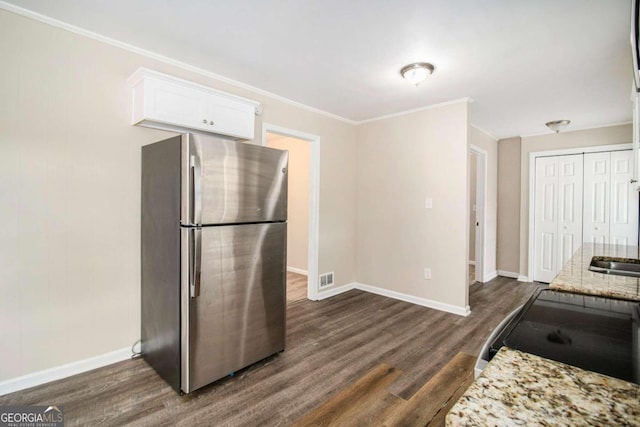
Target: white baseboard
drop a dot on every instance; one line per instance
(63, 371)
(490, 276)
(331, 292)
(472, 262)
(460, 311)
(524, 279)
(297, 270)
(508, 274)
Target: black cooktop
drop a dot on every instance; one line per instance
(593, 333)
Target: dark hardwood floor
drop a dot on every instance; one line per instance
(331, 344)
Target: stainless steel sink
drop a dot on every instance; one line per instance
(618, 266)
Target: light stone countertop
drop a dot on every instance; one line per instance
(576, 277)
(518, 388)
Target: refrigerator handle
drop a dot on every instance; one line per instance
(196, 190)
(196, 261)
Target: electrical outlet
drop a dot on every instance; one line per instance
(427, 274)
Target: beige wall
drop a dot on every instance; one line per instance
(472, 203)
(585, 138)
(401, 161)
(70, 196)
(298, 198)
(489, 145)
(508, 247)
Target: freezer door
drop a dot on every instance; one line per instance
(236, 316)
(230, 182)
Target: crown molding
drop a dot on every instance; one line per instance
(479, 129)
(415, 110)
(162, 58)
(550, 132)
(9, 7)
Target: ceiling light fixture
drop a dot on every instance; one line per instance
(558, 125)
(417, 72)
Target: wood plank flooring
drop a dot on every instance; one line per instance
(331, 344)
(296, 287)
(437, 396)
(367, 402)
(359, 404)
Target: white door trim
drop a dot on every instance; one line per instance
(314, 200)
(532, 177)
(481, 209)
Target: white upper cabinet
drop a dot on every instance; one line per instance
(166, 102)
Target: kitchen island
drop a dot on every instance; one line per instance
(576, 277)
(518, 388)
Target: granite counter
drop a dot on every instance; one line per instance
(519, 388)
(576, 277)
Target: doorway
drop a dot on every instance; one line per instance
(473, 221)
(302, 211)
(477, 168)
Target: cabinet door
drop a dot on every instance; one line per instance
(546, 219)
(596, 197)
(569, 207)
(623, 228)
(231, 118)
(176, 105)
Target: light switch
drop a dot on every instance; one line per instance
(428, 203)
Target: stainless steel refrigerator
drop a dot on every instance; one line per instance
(213, 249)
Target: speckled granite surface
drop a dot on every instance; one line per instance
(519, 388)
(576, 277)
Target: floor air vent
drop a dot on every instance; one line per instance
(326, 279)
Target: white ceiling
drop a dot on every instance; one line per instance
(523, 62)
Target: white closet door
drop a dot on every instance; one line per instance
(546, 219)
(569, 207)
(596, 197)
(624, 200)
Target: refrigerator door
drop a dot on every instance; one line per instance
(237, 315)
(229, 182)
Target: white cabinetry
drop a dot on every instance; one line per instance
(165, 102)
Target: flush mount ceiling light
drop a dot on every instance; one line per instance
(417, 72)
(558, 125)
